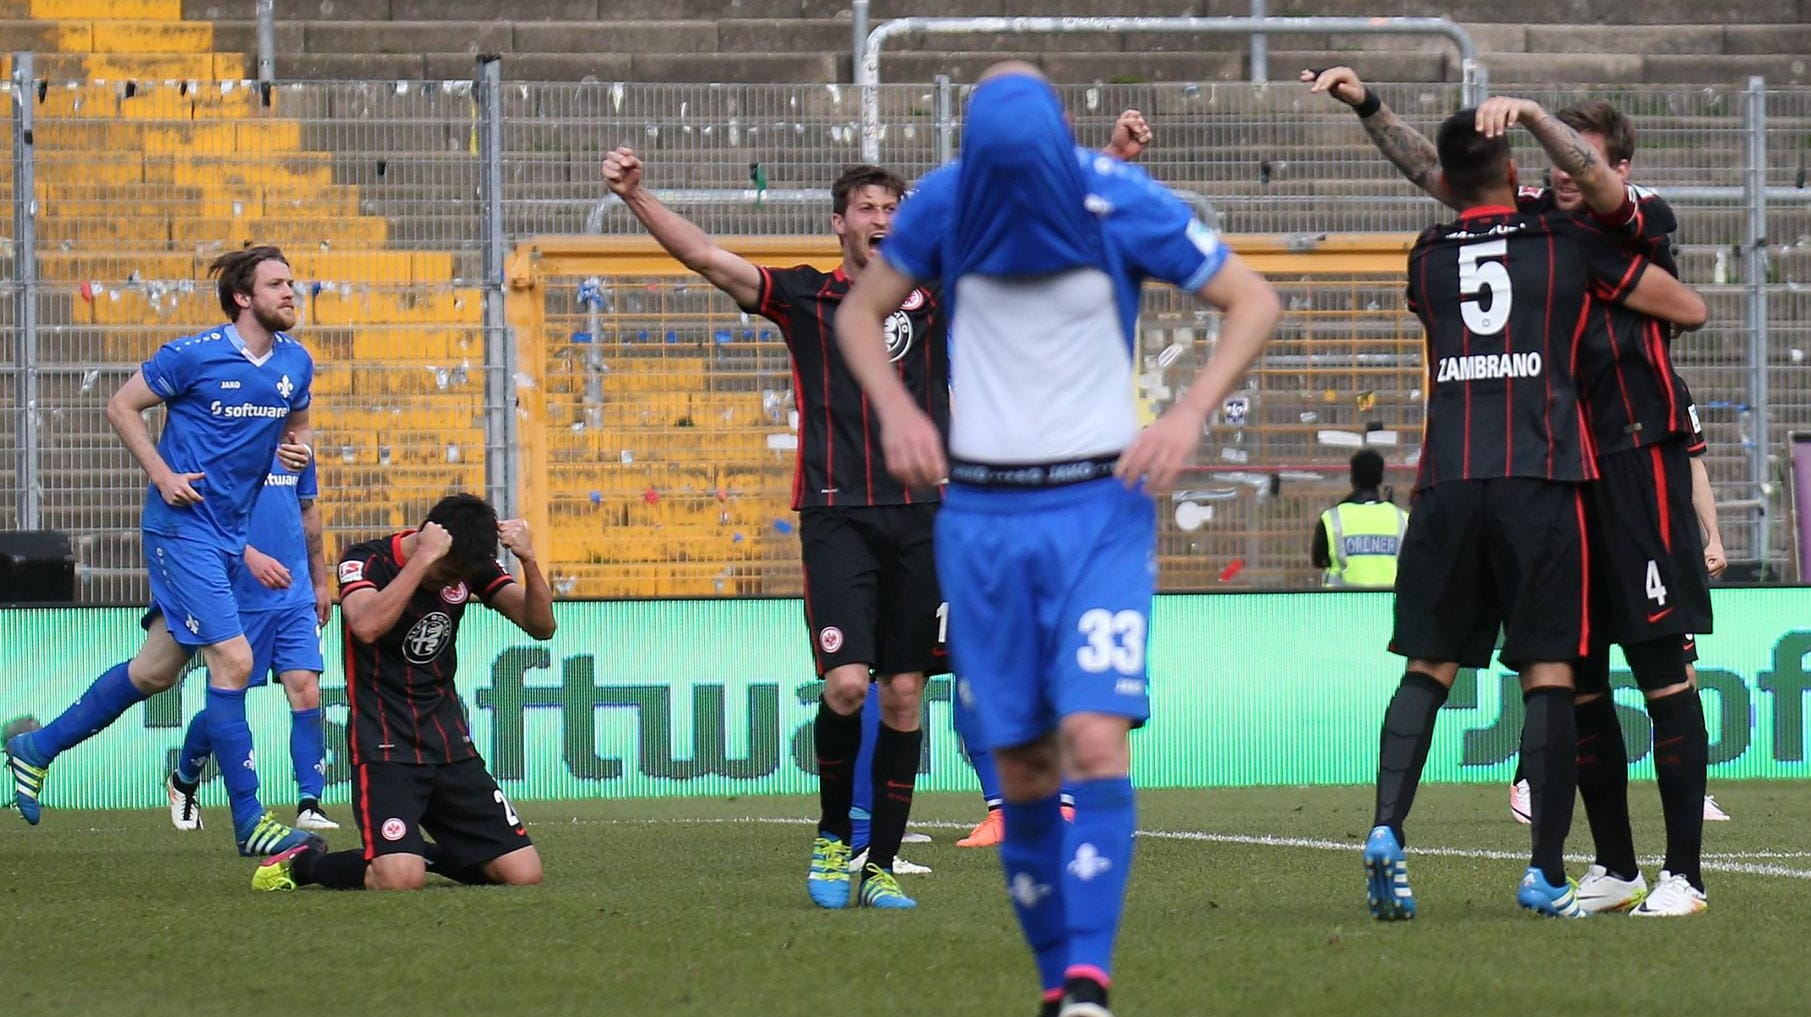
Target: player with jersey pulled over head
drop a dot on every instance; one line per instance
(234, 396)
(284, 601)
(1497, 538)
(1046, 544)
(415, 772)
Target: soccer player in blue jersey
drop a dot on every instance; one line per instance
(1046, 545)
(234, 396)
(283, 600)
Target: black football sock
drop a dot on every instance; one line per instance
(895, 774)
(1550, 752)
(1681, 761)
(336, 870)
(838, 740)
(1603, 784)
(1408, 731)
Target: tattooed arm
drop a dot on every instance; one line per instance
(1405, 147)
(1600, 184)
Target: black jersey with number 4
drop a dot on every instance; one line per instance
(839, 457)
(1505, 298)
(1633, 396)
(399, 689)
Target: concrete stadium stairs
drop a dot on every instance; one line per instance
(139, 187)
(1539, 41)
(401, 404)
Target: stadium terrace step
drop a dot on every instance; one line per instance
(102, 10)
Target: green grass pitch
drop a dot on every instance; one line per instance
(1243, 902)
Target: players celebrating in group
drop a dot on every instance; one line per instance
(1645, 578)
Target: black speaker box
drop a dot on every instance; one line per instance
(36, 567)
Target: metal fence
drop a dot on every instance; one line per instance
(394, 199)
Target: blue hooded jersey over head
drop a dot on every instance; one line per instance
(1022, 208)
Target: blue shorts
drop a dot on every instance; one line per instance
(1049, 604)
(192, 587)
(283, 640)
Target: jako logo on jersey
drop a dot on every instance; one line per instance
(831, 639)
(898, 329)
(1489, 366)
(394, 828)
(240, 410)
(427, 638)
(229, 383)
(455, 594)
(913, 301)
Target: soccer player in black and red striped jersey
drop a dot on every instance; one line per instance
(1650, 591)
(872, 603)
(415, 769)
(871, 597)
(1497, 540)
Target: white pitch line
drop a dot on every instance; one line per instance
(1711, 863)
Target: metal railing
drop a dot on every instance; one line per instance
(393, 198)
(868, 51)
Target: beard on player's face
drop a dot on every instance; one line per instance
(275, 319)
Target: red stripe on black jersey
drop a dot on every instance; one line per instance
(1490, 289)
(1547, 343)
(1626, 375)
(839, 459)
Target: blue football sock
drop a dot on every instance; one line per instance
(232, 739)
(1097, 847)
(1067, 794)
(196, 748)
(983, 762)
(861, 807)
(111, 695)
(308, 750)
(1032, 857)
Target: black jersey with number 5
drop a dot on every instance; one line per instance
(1505, 298)
(399, 690)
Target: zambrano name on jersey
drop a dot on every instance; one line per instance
(1483, 366)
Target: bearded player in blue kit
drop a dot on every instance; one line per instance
(235, 396)
(1046, 544)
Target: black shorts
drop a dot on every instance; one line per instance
(458, 804)
(1648, 578)
(1487, 555)
(1592, 675)
(871, 593)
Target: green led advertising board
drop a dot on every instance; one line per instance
(674, 698)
